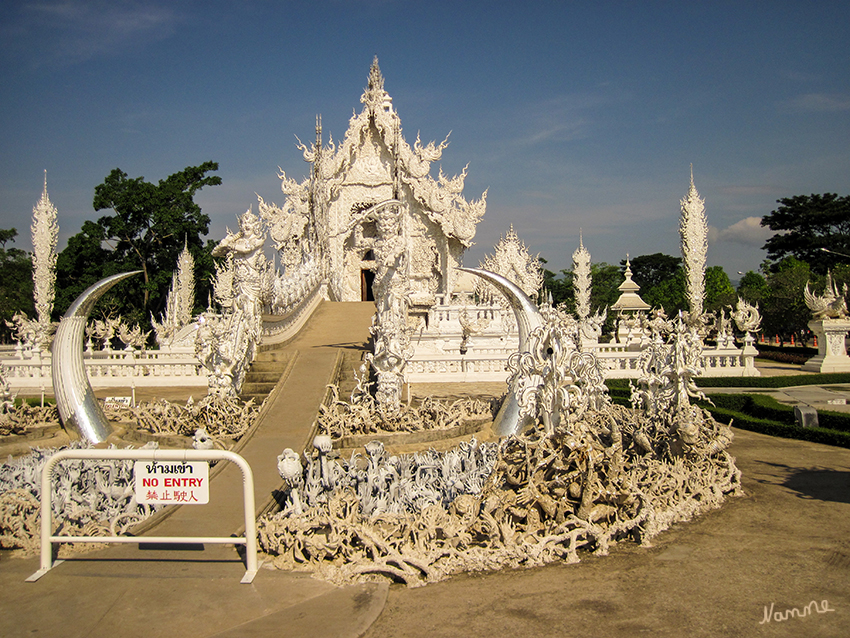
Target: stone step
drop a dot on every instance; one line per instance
(254, 388)
(279, 354)
(269, 366)
(263, 377)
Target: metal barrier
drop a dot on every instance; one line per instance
(249, 539)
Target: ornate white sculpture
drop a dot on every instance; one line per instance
(226, 344)
(831, 325)
(323, 216)
(132, 336)
(830, 305)
(36, 334)
(389, 327)
(249, 266)
(590, 326)
(26, 332)
(511, 260)
(179, 302)
(748, 320)
(105, 329)
(747, 317)
(693, 231)
(45, 231)
(723, 328)
(581, 279)
(534, 499)
(7, 405)
(630, 308)
(553, 378)
(670, 363)
(288, 226)
(223, 288)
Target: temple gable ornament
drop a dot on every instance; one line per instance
(333, 214)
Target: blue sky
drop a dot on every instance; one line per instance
(573, 115)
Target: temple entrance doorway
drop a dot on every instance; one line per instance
(367, 277)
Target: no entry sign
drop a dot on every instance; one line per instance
(172, 482)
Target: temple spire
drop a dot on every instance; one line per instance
(374, 94)
(582, 279)
(45, 231)
(693, 234)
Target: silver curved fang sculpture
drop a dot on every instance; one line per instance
(528, 318)
(75, 399)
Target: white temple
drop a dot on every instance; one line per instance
(370, 223)
(339, 214)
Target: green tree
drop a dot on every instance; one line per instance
(649, 271)
(605, 279)
(560, 289)
(753, 288)
(784, 310)
(669, 294)
(661, 280)
(147, 231)
(805, 224)
(719, 292)
(15, 283)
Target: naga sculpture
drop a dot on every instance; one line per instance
(830, 305)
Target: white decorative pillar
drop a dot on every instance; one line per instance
(45, 231)
(582, 279)
(693, 231)
(832, 351)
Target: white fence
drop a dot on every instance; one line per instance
(278, 329)
(30, 370)
(109, 369)
(619, 364)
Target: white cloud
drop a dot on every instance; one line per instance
(67, 31)
(748, 232)
(819, 103)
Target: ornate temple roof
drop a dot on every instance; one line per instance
(441, 199)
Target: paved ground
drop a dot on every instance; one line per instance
(783, 544)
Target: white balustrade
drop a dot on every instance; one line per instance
(111, 369)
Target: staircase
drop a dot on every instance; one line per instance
(270, 364)
(350, 363)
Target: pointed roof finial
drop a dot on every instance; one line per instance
(318, 131)
(374, 95)
(45, 181)
(376, 80)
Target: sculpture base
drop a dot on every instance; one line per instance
(832, 351)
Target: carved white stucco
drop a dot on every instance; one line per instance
(45, 231)
(325, 215)
(693, 231)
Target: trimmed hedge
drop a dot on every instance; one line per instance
(784, 357)
(760, 413)
(805, 351)
(774, 428)
(767, 408)
(771, 382)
